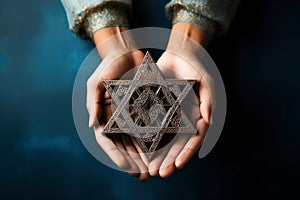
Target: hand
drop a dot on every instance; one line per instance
(181, 59)
(123, 151)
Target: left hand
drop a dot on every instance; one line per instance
(184, 64)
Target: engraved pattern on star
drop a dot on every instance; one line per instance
(148, 106)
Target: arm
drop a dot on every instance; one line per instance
(200, 21)
(85, 17)
(213, 16)
(102, 21)
(119, 56)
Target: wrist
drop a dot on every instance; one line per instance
(194, 32)
(108, 32)
(106, 14)
(111, 40)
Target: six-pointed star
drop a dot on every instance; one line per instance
(148, 106)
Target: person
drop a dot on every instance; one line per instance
(99, 20)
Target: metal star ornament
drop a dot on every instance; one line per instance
(148, 106)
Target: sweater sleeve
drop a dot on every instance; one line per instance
(214, 16)
(87, 16)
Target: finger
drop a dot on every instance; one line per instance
(157, 160)
(192, 145)
(107, 102)
(100, 127)
(95, 90)
(142, 163)
(106, 113)
(205, 101)
(107, 95)
(191, 107)
(135, 157)
(110, 148)
(89, 97)
(205, 111)
(140, 151)
(168, 166)
(98, 102)
(132, 169)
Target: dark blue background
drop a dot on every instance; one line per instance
(257, 156)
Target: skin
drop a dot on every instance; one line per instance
(194, 32)
(99, 104)
(184, 148)
(121, 150)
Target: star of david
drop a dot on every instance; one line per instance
(148, 106)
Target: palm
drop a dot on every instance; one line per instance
(120, 148)
(184, 147)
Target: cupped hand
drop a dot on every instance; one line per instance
(117, 60)
(184, 64)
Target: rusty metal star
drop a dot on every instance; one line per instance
(148, 106)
